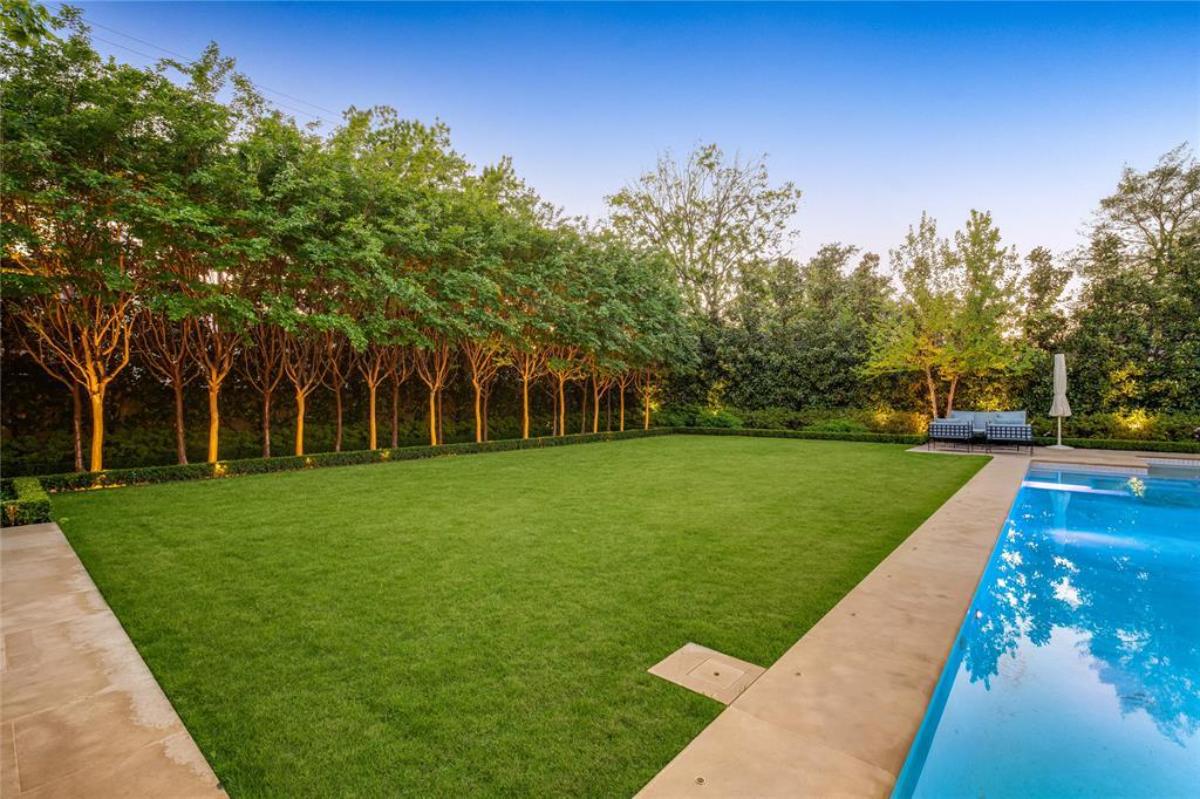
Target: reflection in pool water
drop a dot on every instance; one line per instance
(1077, 670)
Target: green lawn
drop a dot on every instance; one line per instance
(483, 624)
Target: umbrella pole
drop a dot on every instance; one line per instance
(1060, 431)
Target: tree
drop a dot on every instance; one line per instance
(916, 339)
(77, 147)
(164, 346)
(1135, 335)
(981, 344)
(711, 217)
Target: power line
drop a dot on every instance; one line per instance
(191, 61)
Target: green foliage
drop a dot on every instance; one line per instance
(25, 502)
(811, 435)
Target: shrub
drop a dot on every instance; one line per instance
(29, 503)
(838, 426)
(112, 478)
(815, 435)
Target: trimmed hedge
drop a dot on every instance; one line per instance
(1123, 444)
(30, 503)
(113, 478)
(33, 505)
(815, 435)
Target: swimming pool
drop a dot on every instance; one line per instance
(1077, 669)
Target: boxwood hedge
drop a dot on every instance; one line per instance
(28, 503)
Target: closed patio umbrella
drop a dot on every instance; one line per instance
(1060, 407)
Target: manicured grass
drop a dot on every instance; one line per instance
(482, 625)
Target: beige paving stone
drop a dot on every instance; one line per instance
(172, 767)
(95, 731)
(707, 672)
(740, 755)
(80, 713)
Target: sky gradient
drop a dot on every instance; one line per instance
(876, 111)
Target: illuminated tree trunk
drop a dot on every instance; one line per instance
(487, 395)
(562, 405)
(214, 351)
(96, 456)
(372, 432)
(266, 424)
(214, 421)
(433, 430)
(478, 412)
(304, 362)
(524, 407)
(77, 425)
(583, 401)
(595, 406)
(300, 396)
(530, 364)
(180, 436)
(950, 396)
(82, 338)
(622, 414)
(433, 367)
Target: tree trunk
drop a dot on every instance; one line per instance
(372, 430)
(932, 389)
(441, 433)
(487, 395)
(950, 396)
(583, 400)
(214, 422)
(395, 413)
(524, 407)
(97, 454)
(77, 425)
(337, 430)
(622, 409)
(562, 407)
(595, 406)
(433, 433)
(478, 412)
(266, 424)
(180, 437)
(646, 410)
(299, 422)
(608, 412)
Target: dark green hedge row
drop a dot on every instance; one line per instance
(112, 478)
(817, 435)
(1125, 444)
(30, 503)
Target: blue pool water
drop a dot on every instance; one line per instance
(1077, 670)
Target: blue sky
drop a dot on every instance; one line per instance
(876, 111)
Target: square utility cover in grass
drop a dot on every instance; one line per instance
(482, 625)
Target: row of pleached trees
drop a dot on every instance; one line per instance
(167, 219)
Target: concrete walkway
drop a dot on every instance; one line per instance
(836, 714)
(80, 713)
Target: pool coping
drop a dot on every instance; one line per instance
(81, 714)
(838, 712)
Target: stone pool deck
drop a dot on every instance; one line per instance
(80, 713)
(836, 714)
